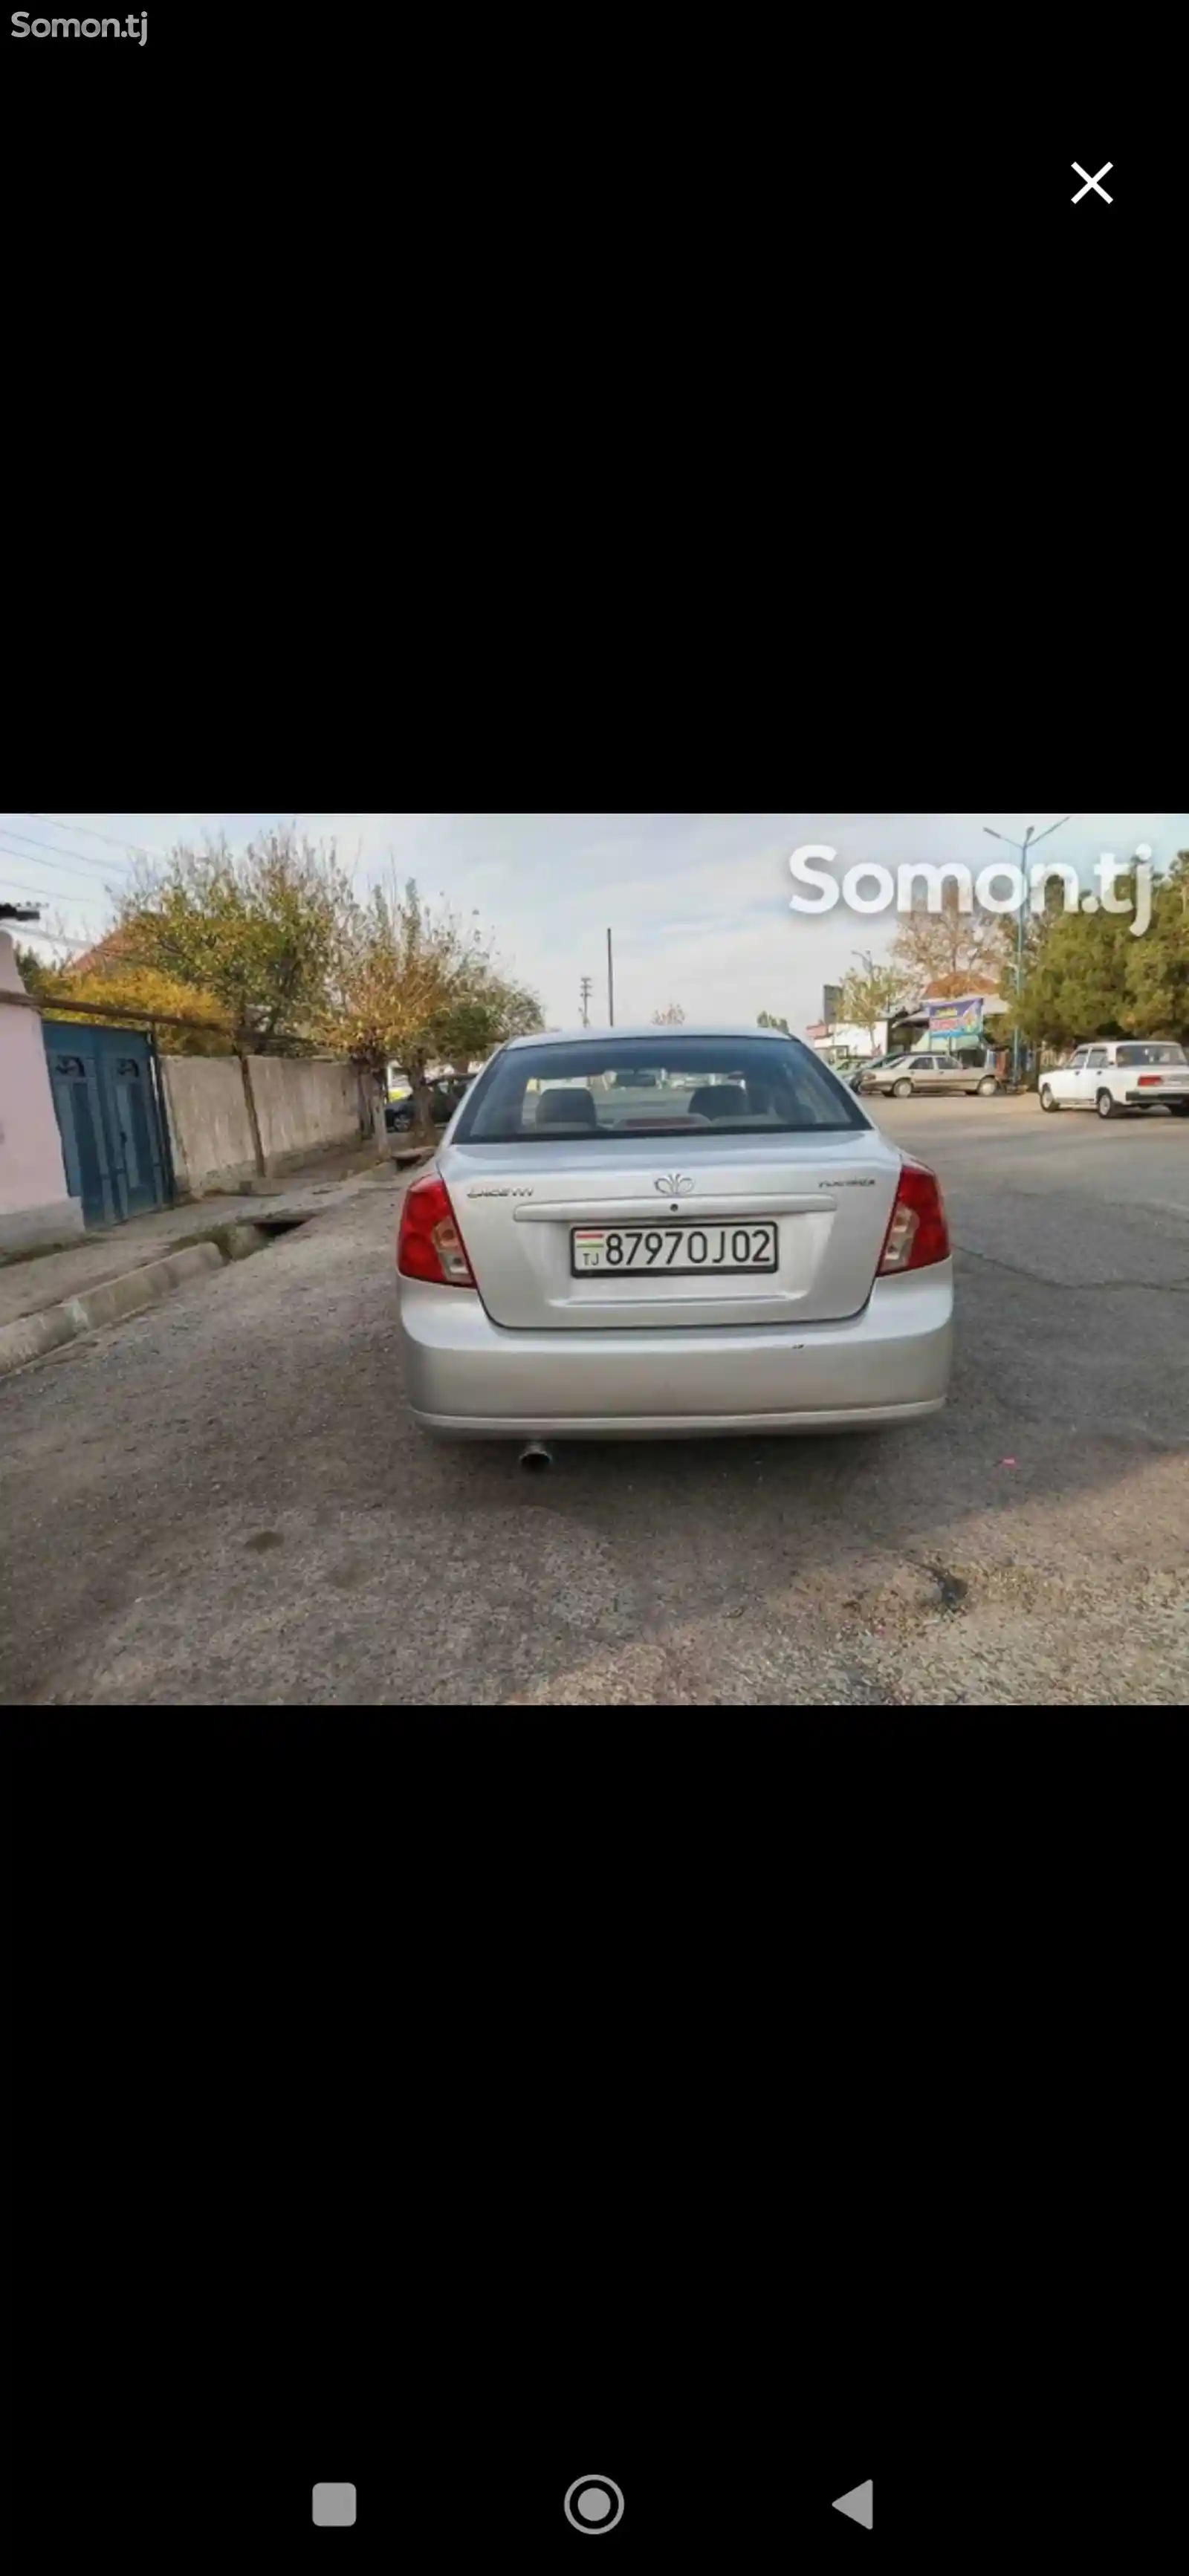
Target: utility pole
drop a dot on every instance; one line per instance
(1032, 839)
(610, 986)
(586, 1001)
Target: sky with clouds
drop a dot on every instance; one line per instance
(698, 904)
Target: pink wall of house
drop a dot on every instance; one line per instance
(34, 1204)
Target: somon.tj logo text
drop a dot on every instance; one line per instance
(1003, 887)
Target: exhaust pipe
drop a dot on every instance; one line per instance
(535, 1456)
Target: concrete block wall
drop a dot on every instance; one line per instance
(209, 1129)
(303, 1108)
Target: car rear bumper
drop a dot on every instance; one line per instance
(466, 1376)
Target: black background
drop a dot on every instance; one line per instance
(970, 2464)
(735, 2106)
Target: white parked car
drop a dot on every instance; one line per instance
(1117, 1074)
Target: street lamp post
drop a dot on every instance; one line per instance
(1032, 839)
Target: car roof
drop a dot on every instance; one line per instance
(699, 1029)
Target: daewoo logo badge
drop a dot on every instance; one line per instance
(674, 1184)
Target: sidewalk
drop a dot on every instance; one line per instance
(51, 1297)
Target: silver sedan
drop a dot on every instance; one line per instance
(933, 1072)
(647, 1234)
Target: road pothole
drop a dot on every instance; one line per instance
(912, 1594)
(245, 1235)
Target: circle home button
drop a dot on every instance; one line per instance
(594, 2505)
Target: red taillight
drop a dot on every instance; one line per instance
(1149, 1082)
(429, 1245)
(917, 1233)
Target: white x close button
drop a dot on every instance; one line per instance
(1091, 183)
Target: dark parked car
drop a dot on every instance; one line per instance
(444, 1097)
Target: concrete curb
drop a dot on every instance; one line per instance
(31, 1336)
(108, 1301)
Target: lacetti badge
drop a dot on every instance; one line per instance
(674, 1184)
(493, 1193)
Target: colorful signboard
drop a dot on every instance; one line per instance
(961, 1019)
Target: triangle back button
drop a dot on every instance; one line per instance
(859, 2504)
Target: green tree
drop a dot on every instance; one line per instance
(255, 930)
(1075, 976)
(395, 969)
(672, 1017)
(768, 1020)
(1156, 972)
(869, 992)
(32, 969)
(485, 1009)
(411, 986)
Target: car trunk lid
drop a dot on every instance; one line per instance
(828, 1196)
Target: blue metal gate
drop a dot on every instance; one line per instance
(105, 1095)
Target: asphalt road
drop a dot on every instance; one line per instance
(224, 1499)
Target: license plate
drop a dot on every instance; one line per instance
(682, 1251)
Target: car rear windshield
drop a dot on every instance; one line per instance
(1155, 1051)
(609, 1087)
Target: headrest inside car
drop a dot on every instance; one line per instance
(720, 1100)
(566, 1109)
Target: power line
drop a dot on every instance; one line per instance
(137, 848)
(88, 894)
(53, 855)
(55, 858)
(87, 832)
(46, 893)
